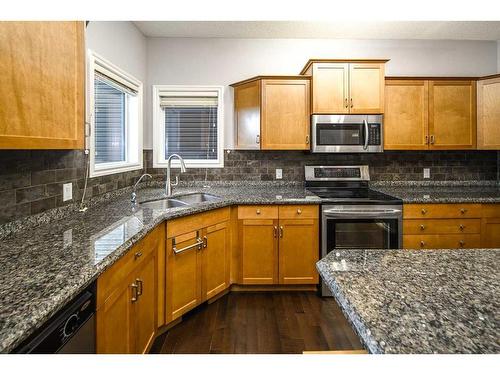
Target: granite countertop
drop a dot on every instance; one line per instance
(446, 192)
(43, 267)
(419, 301)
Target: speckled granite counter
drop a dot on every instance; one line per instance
(447, 192)
(42, 268)
(431, 301)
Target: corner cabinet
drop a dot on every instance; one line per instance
(272, 113)
(423, 114)
(488, 113)
(346, 86)
(279, 244)
(42, 67)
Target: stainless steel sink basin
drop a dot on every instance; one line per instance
(197, 198)
(163, 204)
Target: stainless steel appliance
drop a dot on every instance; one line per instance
(352, 215)
(70, 331)
(347, 133)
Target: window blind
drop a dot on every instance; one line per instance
(190, 126)
(109, 118)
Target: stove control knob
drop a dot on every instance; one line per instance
(71, 325)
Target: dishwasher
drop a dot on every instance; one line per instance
(69, 331)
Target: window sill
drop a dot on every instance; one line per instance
(115, 170)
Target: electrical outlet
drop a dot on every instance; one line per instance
(427, 173)
(67, 191)
(279, 173)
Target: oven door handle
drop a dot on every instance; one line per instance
(357, 213)
(367, 135)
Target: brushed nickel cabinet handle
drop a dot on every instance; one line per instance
(299, 211)
(463, 210)
(257, 212)
(352, 105)
(432, 139)
(346, 104)
(422, 227)
(422, 243)
(138, 255)
(426, 139)
(205, 242)
(134, 292)
(257, 139)
(281, 231)
(462, 227)
(307, 139)
(275, 231)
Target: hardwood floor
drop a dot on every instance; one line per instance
(272, 322)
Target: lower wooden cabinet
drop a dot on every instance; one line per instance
(127, 299)
(283, 248)
(197, 261)
(451, 226)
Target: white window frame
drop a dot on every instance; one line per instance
(159, 160)
(103, 66)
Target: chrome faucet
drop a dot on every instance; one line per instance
(133, 199)
(168, 184)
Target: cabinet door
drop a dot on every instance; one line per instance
(366, 88)
(298, 251)
(330, 88)
(115, 328)
(145, 307)
(490, 232)
(452, 115)
(406, 114)
(247, 115)
(41, 85)
(259, 247)
(215, 260)
(285, 120)
(488, 114)
(183, 287)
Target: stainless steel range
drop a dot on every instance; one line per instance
(352, 215)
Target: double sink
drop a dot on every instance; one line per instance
(179, 201)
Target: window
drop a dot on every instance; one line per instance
(115, 113)
(188, 121)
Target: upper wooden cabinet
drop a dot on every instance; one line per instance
(346, 86)
(423, 114)
(42, 67)
(272, 113)
(488, 114)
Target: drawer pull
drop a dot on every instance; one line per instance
(257, 212)
(137, 255)
(422, 243)
(462, 243)
(424, 211)
(463, 210)
(299, 211)
(135, 293)
(422, 227)
(462, 227)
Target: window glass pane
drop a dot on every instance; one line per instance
(191, 131)
(109, 122)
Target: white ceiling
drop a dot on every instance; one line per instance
(453, 30)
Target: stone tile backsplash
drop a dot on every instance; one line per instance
(31, 181)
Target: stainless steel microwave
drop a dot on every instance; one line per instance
(347, 133)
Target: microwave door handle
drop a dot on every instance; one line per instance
(367, 135)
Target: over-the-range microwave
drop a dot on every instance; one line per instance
(347, 133)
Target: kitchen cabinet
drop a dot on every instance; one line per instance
(127, 295)
(42, 70)
(197, 260)
(450, 226)
(424, 114)
(346, 86)
(488, 113)
(406, 115)
(452, 115)
(272, 113)
(279, 245)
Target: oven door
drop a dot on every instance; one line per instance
(346, 133)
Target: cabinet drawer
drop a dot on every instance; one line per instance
(441, 211)
(491, 210)
(258, 212)
(441, 241)
(438, 226)
(113, 276)
(298, 212)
